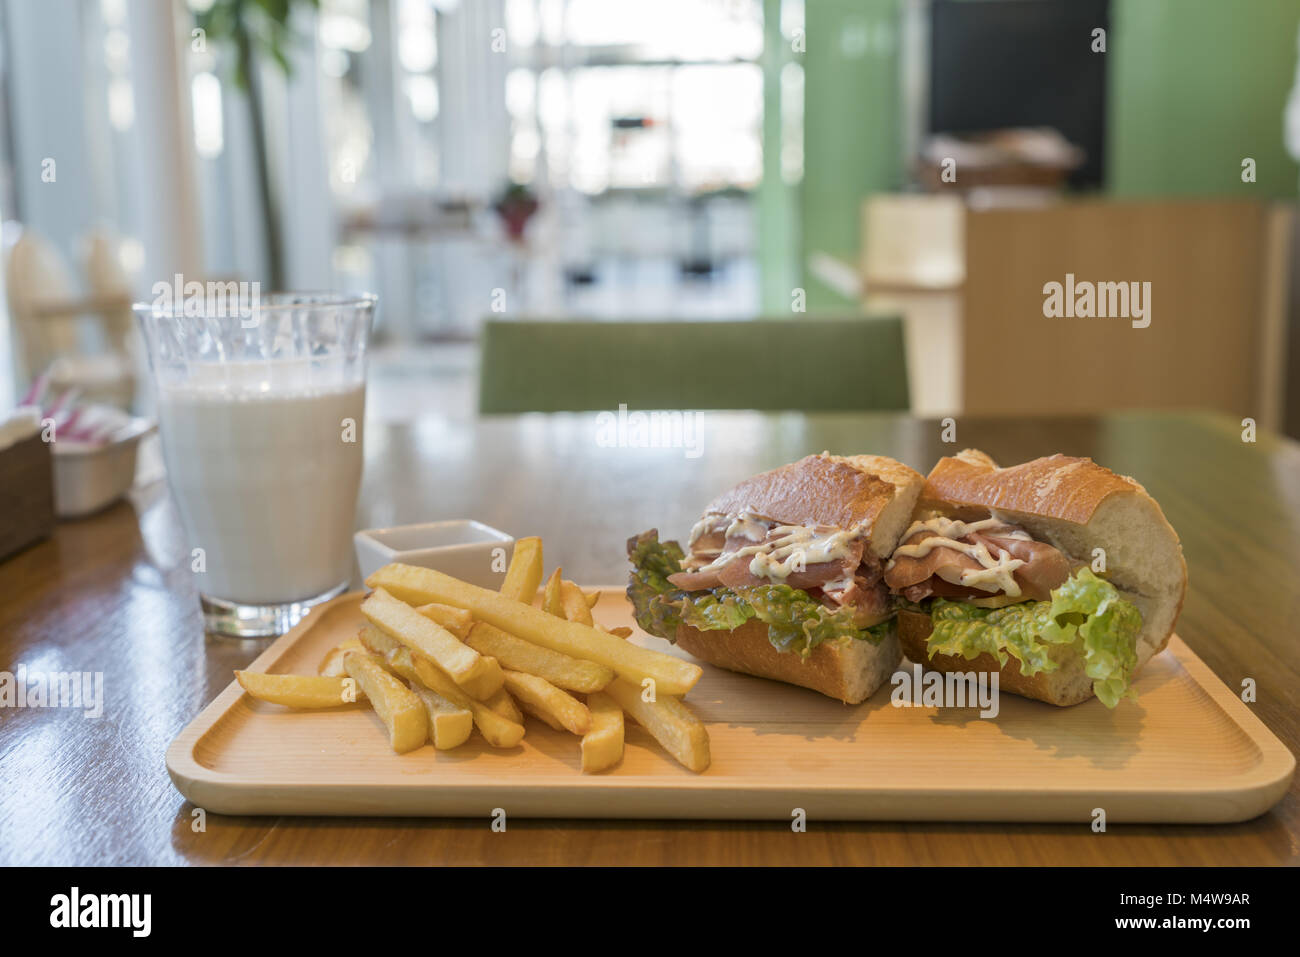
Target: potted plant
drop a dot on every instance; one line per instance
(255, 29)
(516, 206)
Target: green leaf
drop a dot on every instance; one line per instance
(253, 28)
(1085, 609)
(795, 620)
(798, 622)
(652, 563)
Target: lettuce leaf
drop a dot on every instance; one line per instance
(795, 620)
(652, 563)
(1084, 609)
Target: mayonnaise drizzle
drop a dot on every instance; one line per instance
(743, 525)
(705, 525)
(994, 575)
(748, 526)
(794, 548)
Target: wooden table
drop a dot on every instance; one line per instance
(113, 594)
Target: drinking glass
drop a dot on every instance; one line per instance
(261, 404)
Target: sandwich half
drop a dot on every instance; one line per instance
(783, 575)
(1058, 574)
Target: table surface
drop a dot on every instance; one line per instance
(113, 594)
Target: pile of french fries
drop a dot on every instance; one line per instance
(439, 657)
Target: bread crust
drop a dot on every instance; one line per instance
(849, 669)
(1068, 685)
(848, 492)
(1061, 687)
(1059, 487)
(1079, 507)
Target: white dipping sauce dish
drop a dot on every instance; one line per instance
(465, 549)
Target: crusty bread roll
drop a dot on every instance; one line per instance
(870, 492)
(1067, 685)
(843, 491)
(1076, 506)
(849, 669)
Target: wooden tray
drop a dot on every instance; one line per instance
(1187, 750)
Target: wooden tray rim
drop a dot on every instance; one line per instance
(1264, 783)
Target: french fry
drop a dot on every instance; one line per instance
(331, 666)
(479, 676)
(499, 732)
(577, 607)
(602, 746)
(561, 670)
(557, 708)
(449, 724)
(525, 571)
(455, 620)
(669, 722)
(504, 705)
(672, 676)
(552, 600)
(301, 691)
(575, 603)
(396, 704)
(379, 643)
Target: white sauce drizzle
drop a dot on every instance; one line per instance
(745, 525)
(748, 526)
(794, 548)
(994, 575)
(704, 526)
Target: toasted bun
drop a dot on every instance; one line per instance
(867, 491)
(848, 668)
(1067, 685)
(1077, 506)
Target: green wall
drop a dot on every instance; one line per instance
(1195, 86)
(852, 125)
(778, 201)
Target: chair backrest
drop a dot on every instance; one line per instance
(1209, 267)
(36, 273)
(811, 364)
(107, 280)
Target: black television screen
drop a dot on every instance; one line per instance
(996, 64)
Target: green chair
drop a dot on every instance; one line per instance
(808, 364)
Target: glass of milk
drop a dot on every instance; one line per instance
(261, 403)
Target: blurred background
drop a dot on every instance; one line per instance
(567, 204)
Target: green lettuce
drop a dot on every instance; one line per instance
(1084, 609)
(795, 620)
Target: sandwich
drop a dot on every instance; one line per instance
(782, 576)
(1059, 575)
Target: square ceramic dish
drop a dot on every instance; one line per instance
(468, 550)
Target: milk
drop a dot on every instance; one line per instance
(265, 480)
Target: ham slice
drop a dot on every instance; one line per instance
(854, 580)
(696, 580)
(869, 598)
(938, 573)
(1044, 567)
(736, 574)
